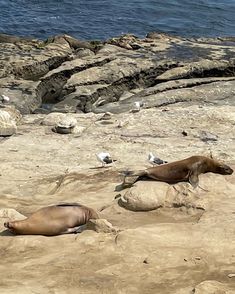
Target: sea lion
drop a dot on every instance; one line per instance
(186, 170)
(54, 220)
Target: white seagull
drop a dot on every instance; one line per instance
(155, 160)
(137, 106)
(4, 98)
(104, 158)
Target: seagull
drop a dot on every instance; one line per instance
(137, 106)
(4, 98)
(104, 158)
(155, 160)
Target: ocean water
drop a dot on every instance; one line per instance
(102, 19)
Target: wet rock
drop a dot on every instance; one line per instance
(127, 41)
(73, 43)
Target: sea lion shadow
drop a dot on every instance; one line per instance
(6, 233)
(121, 187)
(126, 185)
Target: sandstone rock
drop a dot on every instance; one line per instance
(212, 287)
(201, 67)
(65, 125)
(14, 113)
(145, 196)
(101, 226)
(9, 117)
(7, 124)
(53, 119)
(11, 214)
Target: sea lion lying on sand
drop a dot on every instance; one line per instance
(186, 170)
(54, 220)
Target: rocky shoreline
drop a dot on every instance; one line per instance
(67, 75)
(68, 100)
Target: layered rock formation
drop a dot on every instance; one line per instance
(68, 75)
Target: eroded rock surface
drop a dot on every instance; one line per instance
(68, 75)
(9, 117)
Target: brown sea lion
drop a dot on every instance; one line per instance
(186, 170)
(54, 220)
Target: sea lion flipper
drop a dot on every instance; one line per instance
(193, 175)
(75, 230)
(193, 179)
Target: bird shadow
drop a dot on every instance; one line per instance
(99, 167)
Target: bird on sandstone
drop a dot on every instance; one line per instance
(155, 160)
(105, 158)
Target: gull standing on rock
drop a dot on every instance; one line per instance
(4, 98)
(155, 160)
(104, 158)
(137, 106)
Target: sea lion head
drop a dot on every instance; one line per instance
(223, 169)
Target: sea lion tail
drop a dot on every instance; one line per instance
(132, 173)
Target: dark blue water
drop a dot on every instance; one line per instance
(102, 19)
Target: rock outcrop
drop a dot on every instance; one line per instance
(9, 117)
(68, 75)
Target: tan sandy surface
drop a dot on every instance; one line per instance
(169, 250)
